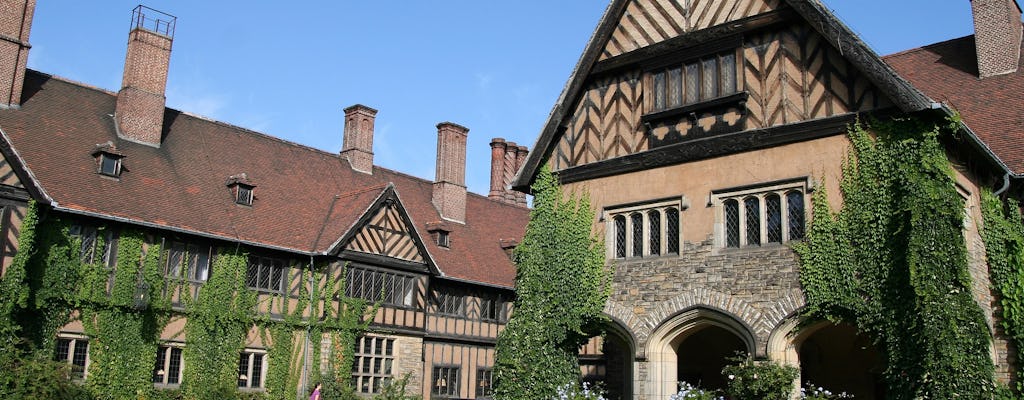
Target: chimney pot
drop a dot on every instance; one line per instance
(997, 36)
(357, 144)
(449, 195)
(497, 169)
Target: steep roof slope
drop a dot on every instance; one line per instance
(300, 191)
(991, 107)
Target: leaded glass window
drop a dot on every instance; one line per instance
(795, 211)
(773, 214)
(671, 231)
(752, 210)
(636, 221)
(654, 230)
(620, 236)
(732, 223)
(696, 80)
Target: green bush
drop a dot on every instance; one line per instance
(26, 377)
(751, 379)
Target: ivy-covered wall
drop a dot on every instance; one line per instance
(893, 262)
(125, 308)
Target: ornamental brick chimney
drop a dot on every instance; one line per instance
(141, 100)
(997, 36)
(506, 158)
(357, 145)
(15, 23)
(449, 196)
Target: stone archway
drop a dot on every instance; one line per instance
(834, 356)
(693, 346)
(608, 359)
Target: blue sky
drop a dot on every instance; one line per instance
(289, 68)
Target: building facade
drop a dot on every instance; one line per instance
(700, 130)
(109, 166)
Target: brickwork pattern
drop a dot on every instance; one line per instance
(449, 196)
(357, 145)
(140, 102)
(997, 36)
(409, 359)
(15, 23)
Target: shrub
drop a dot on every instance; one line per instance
(574, 391)
(811, 392)
(690, 392)
(751, 379)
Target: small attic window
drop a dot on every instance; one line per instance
(440, 233)
(442, 238)
(108, 160)
(242, 189)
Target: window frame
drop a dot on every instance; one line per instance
(380, 352)
(74, 341)
(484, 391)
(244, 194)
(449, 302)
(250, 355)
(739, 198)
(409, 286)
(188, 250)
(621, 236)
(676, 94)
(268, 265)
(168, 352)
(492, 308)
(452, 375)
(114, 161)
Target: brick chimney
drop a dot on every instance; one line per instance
(506, 158)
(357, 145)
(140, 102)
(449, 195)
(15, 22)
(997, 36)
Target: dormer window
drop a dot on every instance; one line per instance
(241, 189)
(108, 160)
(440, 232)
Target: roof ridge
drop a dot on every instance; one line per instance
(924, 47)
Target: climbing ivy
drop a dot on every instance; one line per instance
(215, 333)
(894, 263)
(561, 287)
(49, 283)
(1003, 234)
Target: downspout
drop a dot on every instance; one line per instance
(1006, 185)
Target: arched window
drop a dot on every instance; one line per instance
(654, 231)
(795, 209)
(636, 220)
(773, 216)
(672, 231)
(732, 223)
(752, 211)
(620, 236)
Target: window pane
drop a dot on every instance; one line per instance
(675, 87)
(773, 214)
(243, 370)
(158, 367)
(752, 209)
(709, 79)
(252, 272)
(63, 350)
(795, 209)
(263, 280)
(692, 84)
(659, 91)
(732, 223)
(637, 223)
(276, 276)
(620, 236)
(202, 264)
(109, 165)
(174, 258)
(654, 231)
(728, 73)
(257, 371)
(78, 358)
(174, 369)
(672, 231)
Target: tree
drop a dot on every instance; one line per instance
(561, 287)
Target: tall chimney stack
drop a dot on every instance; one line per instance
(506, 158)
(140, 102)
(449, 195)
(357, 145)
(15, 22)
(997, 36)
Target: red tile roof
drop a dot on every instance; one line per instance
(305, 199)
(993, 108)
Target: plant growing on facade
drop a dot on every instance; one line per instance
(1003, 234)
(561, 287)
(750, 379)
(893, 262)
